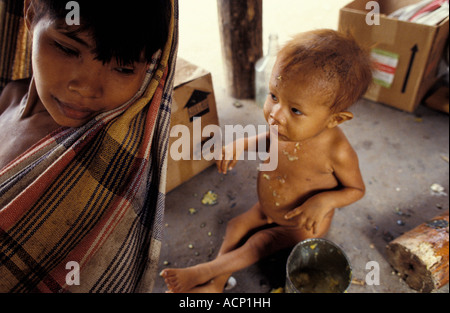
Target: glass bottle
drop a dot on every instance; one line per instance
(263, 70)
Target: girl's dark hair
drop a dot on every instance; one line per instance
(122, 31)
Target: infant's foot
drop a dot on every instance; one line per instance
(181, 280)
(216, 285)
(209, 287)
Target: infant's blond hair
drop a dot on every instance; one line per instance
(336, 58)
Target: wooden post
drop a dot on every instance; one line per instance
(241, 33)
(421, 255)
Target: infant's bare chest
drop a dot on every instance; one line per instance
(303, 166)
(299, 174)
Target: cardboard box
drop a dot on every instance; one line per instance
(193, 98)
(407, 54)
(439, 100)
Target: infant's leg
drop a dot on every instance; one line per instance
(258, 246)
(268, 241)
(239, 227)
(283, 237)
(181, 280)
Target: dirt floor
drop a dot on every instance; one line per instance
(401, 156)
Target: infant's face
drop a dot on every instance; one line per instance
(72, 85)
(299, 109)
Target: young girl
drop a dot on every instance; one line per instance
(317, 76)
(82, 148)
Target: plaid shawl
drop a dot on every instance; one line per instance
(15, 44)
(93, 195)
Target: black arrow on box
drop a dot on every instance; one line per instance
(414, 51)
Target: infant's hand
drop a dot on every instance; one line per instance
(230, 156)
(311, 213)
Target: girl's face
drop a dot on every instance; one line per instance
(72, 85)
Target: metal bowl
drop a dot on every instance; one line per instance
(317, 266)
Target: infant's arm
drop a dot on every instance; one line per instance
(347, 172)
(351, 188)
(232, 151)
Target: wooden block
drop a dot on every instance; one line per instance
(421, 255)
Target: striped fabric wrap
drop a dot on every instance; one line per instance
(92, 196)
(15, 44)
